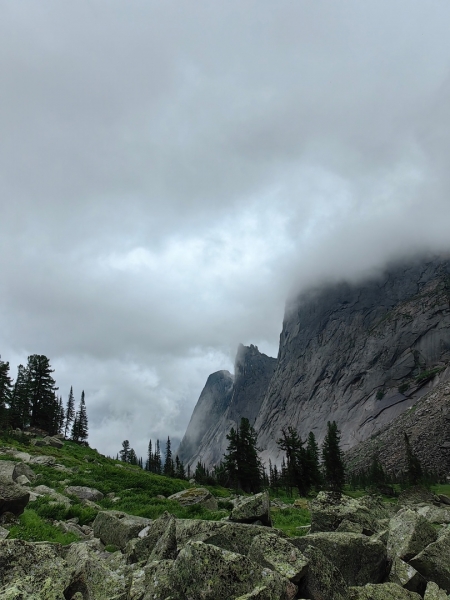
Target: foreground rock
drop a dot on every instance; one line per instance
(434, 562)
(253, 509)
(409, 534)
(277, 554)
(192, 496)
(118, 528)
(384, 591)
(13, 498)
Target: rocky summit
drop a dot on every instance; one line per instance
(359, 354)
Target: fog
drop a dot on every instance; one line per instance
(170, 173)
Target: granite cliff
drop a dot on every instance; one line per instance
(359, 354)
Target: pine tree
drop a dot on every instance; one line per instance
(125, 452)
(5, 393)
(132, 457)
(179, 469)
(376, 475)
(70, 412)
(298, 463)
(20, 408)
(169, 468)
(313, 460)
(241, 461)
(41, 390)
(157, 459)
(414, 470)
(82, 421)
(230, 459)
(333, 460)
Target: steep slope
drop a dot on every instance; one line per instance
(205, 439)
(427, 425)
(355, 354)
(211, 406)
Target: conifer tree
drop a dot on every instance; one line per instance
(41, 390)
(82, 420)
(75, 431)
(333, 459)
(157, 459)
(179, 469)
(298, 463)
(132, 457)
(70, 412)
(313, 460)
(169, 468)
(125, 452)
(20, 408)
(241, 461)
(5, 393)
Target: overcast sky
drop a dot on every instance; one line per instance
(171, 171)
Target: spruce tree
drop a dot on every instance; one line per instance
(70, 412)
(41, 389)
(313, 460)
(179, 469)
(298, 463)
(241, 461)
(169, 468)
(157, 459)
(125, 452)
(82, 421)
(333, 460)
(20, 408)
(132, 457)
(230, 459)
(5, 393)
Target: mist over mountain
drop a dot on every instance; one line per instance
(359, 354)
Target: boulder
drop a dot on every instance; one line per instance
(84, 493)
(13, 498)
(191, 496)
(434, 592)
(277, 554)
(444, 499)
(409, 533)
(382, 591)
(21, 469)
(406, 576)
(38, 442)
(349, 527)
(115, 527)
(204, 571)
(139, 549)
(44, 490)
(45, 461)
(252, 509)
(7, 470)
(54, 442)
(327, 513)
(91, 576)
(32, 571)
(434, 561)
(435, 514)
(360, 559)
(166, 547)
(323, 580)
(415, 495)
(22, 480)
(3, 533)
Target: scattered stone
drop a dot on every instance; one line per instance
(383, 591)
(415, 495)
(327, 512)
(166, 547)
(434, 514)
(277, 554)
(192, 496)
(434, 592)
(13, 498)
(23, 480)
(434, 561)
(54, 442)
(3, 533)
(409, 533)
(406, 576)
(350, 527)
(45, 461)
(360, 559)
(444, 499)
(84, 493)
(323, 580)
(252, 509)
(37, 442)
(115, 527)
(44, 490)
(23, 469)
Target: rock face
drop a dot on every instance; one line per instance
(223, 402)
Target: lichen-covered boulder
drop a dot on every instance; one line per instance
(435, 514)
(44, 490)
(139, 548)
(327, 513)
(360, 559)
(192, 496)
(166, 546)
(84, 493)
(407, 576)
(45, 461)
(13, 498)
(323, 580)
(349, 527)
(252, 509)
(381, 591)
(117, 528)
(409, 533)
(54, 442)
(238, 537)
(277, 554)
(434, 562)
(32, 571)
(91, 576)
(415, 495)
(205, 571)
(434, 592)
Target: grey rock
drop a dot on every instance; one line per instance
(3, 533)
(251, 509)
(383, 591)
(409, 533)
(45, 461)
(84, 493)
(192, 496)
(7, 470)
(323, 580)
(434, 592)
(406, 576)
(444, 499)
(435, 514)
(54, 442)
(359, 559)
(22, 480)
(327, 512)
(23, 469)
(434, 562)
(118, 528)
(277, 554)
(166, 547)
(44, 490)
(13, 498)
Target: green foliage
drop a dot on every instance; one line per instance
(290, 519)
(33, 528)
(403, 387)
(241, 463)
(380, 394)
(111, 548)
(333, 459)
(426, 375)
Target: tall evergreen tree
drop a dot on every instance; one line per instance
(333, 459)
(231, 459)
(70, 412)
(298, 463)
(414, 470)
(82, 421)
(169, 469)
(179, 469)
(132, 457)
(5, 393)
(313, 460)
(125, 452)
(20, 408)
(157, 459)
(241, 461)
(41, 389)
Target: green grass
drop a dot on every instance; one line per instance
(33, 528)
(290, 519)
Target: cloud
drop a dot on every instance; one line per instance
(170, 174)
